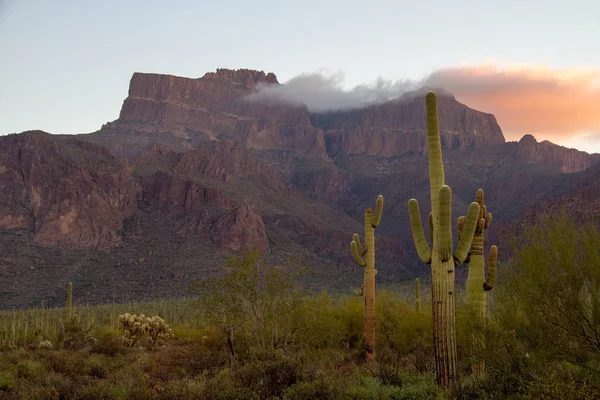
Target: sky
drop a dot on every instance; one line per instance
(65, 66)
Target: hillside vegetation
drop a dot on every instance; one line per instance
(252, 334)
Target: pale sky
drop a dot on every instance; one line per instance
(65, 65)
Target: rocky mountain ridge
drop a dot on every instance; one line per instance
(192, 171)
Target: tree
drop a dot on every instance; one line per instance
(554, 284)
(254, 299)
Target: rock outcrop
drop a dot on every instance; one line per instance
(176, 195)
(565, 160)
(67, 192)
(242, 229)
(398, 127)
(217, 106)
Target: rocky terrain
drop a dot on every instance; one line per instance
(195, 169)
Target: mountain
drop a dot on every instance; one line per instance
(196, 169)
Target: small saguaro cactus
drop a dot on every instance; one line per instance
(368, 263)
(43, 309)
(69, 301)
(60, 339)
(418, 294)
(477, 286)
(440, 255)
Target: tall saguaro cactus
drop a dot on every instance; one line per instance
(368, 263)
(440, 255)
(477, 286)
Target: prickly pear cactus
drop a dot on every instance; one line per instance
(368, 263)
(477, 285)
(441, 255)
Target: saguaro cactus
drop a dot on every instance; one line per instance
(69, 301)
(368, 289)
(42, 319)
(476, 283)
(441, 255)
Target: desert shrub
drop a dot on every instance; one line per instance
(96, 365)
(170, 363)
(328, 323)
(62, 384)
(404, 337)
(257, 301)
(565, 380)
(100, 390)
(31, 370)
(322, 388)
(269, 375)
(109, 346)
(68, 363)
(8, 379)
(76, 334)
(183, 389)
(369, 388)
(553, 287)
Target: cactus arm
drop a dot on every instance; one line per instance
(460, 225)
(492, 264)
(421, 245)
(444, 234)
(488, 220)
(467, 234)
(376, 219)
(361, 250)
(359, 291)
(357, 258)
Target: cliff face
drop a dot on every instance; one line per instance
(399, 127)
(66, 193)
(216, 106)
(563, 159)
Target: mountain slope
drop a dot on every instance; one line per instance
(192, 170)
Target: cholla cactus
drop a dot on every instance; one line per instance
(158, 329)
(137, 326)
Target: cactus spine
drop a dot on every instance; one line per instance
(476, 283)
(441, 255)
(418, 294)
(69, 301)
(368, 290)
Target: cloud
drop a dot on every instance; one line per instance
(322, 91)
(551, 104)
